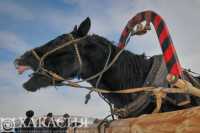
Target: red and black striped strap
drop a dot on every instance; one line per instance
(166, 44)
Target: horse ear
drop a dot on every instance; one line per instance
(84, 27)
(75, 29)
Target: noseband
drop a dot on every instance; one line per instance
(54, 76)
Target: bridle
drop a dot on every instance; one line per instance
(50, 74)
(55, 77)
(157, 91)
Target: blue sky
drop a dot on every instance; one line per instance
(25, 24)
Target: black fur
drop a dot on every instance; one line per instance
(129, 71)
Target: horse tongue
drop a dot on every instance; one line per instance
(22, 68)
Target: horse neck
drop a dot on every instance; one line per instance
(130, 70)
(95, 55)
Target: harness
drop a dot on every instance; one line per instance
(173, 67)
(55, 76)
(158, 92)
(166, 43)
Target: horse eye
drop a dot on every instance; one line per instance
(31, 75)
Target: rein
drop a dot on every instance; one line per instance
(169, 54)
(73, 41)
(56, 77)
(159, 92)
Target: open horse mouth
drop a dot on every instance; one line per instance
(36, 80)
(21, 68)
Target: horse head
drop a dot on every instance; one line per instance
(63, 62)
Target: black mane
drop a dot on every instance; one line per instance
(129, 71)
(131, 68)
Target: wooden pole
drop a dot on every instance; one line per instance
(184, 85)
(183, 121)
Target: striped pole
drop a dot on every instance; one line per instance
(166, 44)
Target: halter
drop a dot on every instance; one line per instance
(55, 77)
(158, 92)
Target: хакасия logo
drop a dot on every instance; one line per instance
(7, 125)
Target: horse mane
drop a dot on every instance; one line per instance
(130, 68)
(129, 71)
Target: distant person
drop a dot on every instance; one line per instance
(40, 122)
(66, 119)
(50, 121)
(97, 121)
(28, 122)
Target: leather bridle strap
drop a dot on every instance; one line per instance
(56, 77)
(36, 55)
(60, 47)
(77, 54)
(41, 59)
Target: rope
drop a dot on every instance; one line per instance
(106, 64)
(58, 77)
(88, 96)
(158, 92)
(60, 47)
(189, 70)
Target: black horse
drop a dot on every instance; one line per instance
(129, 71)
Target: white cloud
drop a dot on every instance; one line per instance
(182, 21)
(74, 2)
(12, 42)
(65, 99)
(51, 100)
(15, 10)
(59, 20)
(9, 74)
(108, 19)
